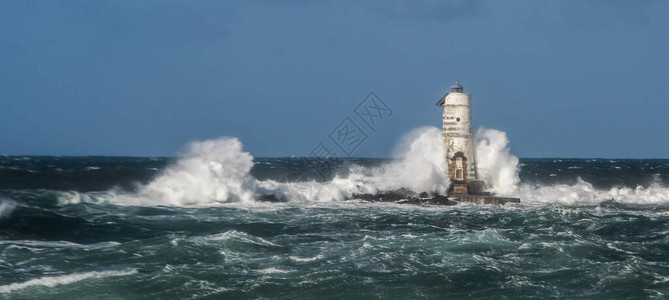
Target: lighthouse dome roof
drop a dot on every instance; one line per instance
(457, 87)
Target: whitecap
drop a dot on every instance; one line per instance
(583, 192)
(241, 236)
(305, 259)
(273, 270)
(6, 208)
(51, 281)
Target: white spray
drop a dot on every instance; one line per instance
(419, 165)
(216, 172)
(213, 171)
(583, 192)
(495, 163)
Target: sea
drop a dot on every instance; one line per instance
(215, 222)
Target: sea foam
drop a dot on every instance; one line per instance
(419, 165)
(217, 172)
(495, 163)
(210, 172)
(583, 192)
(51, 281)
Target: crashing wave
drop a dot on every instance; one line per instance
(217, 172)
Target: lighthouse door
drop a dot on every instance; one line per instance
(459, 170)
(458, 167)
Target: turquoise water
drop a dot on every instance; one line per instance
(63, 236)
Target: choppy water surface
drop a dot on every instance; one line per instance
(337, 250)
(69, 229)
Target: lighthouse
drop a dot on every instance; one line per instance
(464, 185)
(457, 133)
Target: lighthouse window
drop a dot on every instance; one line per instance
(458, 119)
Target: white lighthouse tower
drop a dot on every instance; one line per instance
(457, 132)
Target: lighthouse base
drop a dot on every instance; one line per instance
(474, 192)
(481, 199)
(405, 196)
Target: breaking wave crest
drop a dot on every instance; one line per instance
(584, 192)
(419, 165)
(210, 172)
(52, 281)
(500, 169)
(216, 172)
(495, 163)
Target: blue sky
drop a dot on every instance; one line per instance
(142, 78)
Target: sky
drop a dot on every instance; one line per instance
(143, 78)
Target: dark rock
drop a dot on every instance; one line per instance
(406, 196)
(271, 198)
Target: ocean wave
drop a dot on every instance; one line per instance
(585, 193)
(419, 165)
(241, 237)
(6, 208)
(305, 259)
(217, 172)
(58, 244)
(52, 281)
(494, 161)
(211, 172)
